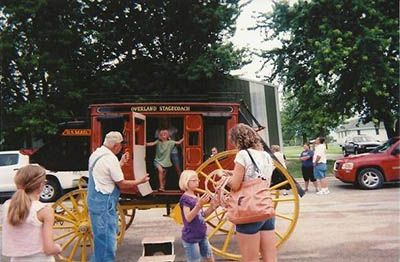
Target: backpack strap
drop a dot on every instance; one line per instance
(254, 162)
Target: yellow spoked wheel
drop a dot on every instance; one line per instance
(221, 234)
(129, 214)
(72, 229)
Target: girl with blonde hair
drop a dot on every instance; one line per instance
(28, 223)
(194, 230)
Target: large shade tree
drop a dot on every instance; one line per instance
(57, 56)
(337, 58)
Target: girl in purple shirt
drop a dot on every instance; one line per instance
(194, 237)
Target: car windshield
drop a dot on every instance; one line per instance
(8, 159)
(385, 146)
(359, 139)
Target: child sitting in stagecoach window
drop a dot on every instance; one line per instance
(164, 147)
(194, 236)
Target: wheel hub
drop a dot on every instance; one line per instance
(83, 227)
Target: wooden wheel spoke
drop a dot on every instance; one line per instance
(75, 247)
(215, 230)
(283, 199)
(218, 164)
(284, 216)
(200, 190)
(228, 238)
(74, 203)
(63, 218)
(68, 211)
(215, 215)
(83, 197)
(91, 242)
(83, 253)
(63, 227)
(278, 234)
(69, 241)
(281, 184)
(64, 235)
(203, 174)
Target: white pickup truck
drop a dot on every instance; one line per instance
(57, 181)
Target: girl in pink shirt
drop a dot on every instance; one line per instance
(27, 223)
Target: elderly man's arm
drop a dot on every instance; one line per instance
(131, 183)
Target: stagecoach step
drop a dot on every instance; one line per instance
(155, 246)
(166, 258)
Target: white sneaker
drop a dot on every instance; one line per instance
(323, 192)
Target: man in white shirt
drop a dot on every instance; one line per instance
(105, 181)
(319, 163)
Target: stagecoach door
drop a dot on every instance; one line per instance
(193, 140)
(137, 142)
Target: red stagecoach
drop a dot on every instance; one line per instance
(203, 126)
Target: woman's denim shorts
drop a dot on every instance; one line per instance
(252, 228)
(320, 171)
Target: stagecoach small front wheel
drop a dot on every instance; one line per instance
(72, 228)
(221, 233)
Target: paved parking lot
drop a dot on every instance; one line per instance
(350, 224)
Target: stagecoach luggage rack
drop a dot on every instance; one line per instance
(158, 249)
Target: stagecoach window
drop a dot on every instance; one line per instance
(193, 138)
(139, 131)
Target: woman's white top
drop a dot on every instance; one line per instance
(264, 163)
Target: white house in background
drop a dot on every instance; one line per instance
(353, 128)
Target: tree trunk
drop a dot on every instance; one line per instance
(304, 138)
(389, 128)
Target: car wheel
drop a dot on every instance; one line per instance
(51, 191)
(370, 178)
(345, 152)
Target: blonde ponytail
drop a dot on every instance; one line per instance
(19, 207)
(28, 180)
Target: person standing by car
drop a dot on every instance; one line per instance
(319, 163)
(306, 158)
(105, 181)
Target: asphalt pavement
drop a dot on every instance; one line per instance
(349, 225)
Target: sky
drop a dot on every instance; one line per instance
(251, 39)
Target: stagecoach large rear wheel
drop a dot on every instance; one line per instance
(221, 234)
(72, 228)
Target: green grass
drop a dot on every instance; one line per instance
(293, 162)
(294, 167)
(294, 151)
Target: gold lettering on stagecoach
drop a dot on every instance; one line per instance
(76, 132)
(174, 108)
(162, 108)
(144, 108)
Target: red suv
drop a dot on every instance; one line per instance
(370, 170)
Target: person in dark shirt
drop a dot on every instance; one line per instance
(306, 158)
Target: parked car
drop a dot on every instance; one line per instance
(371, 170)
(57, 182)
(359, 144)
